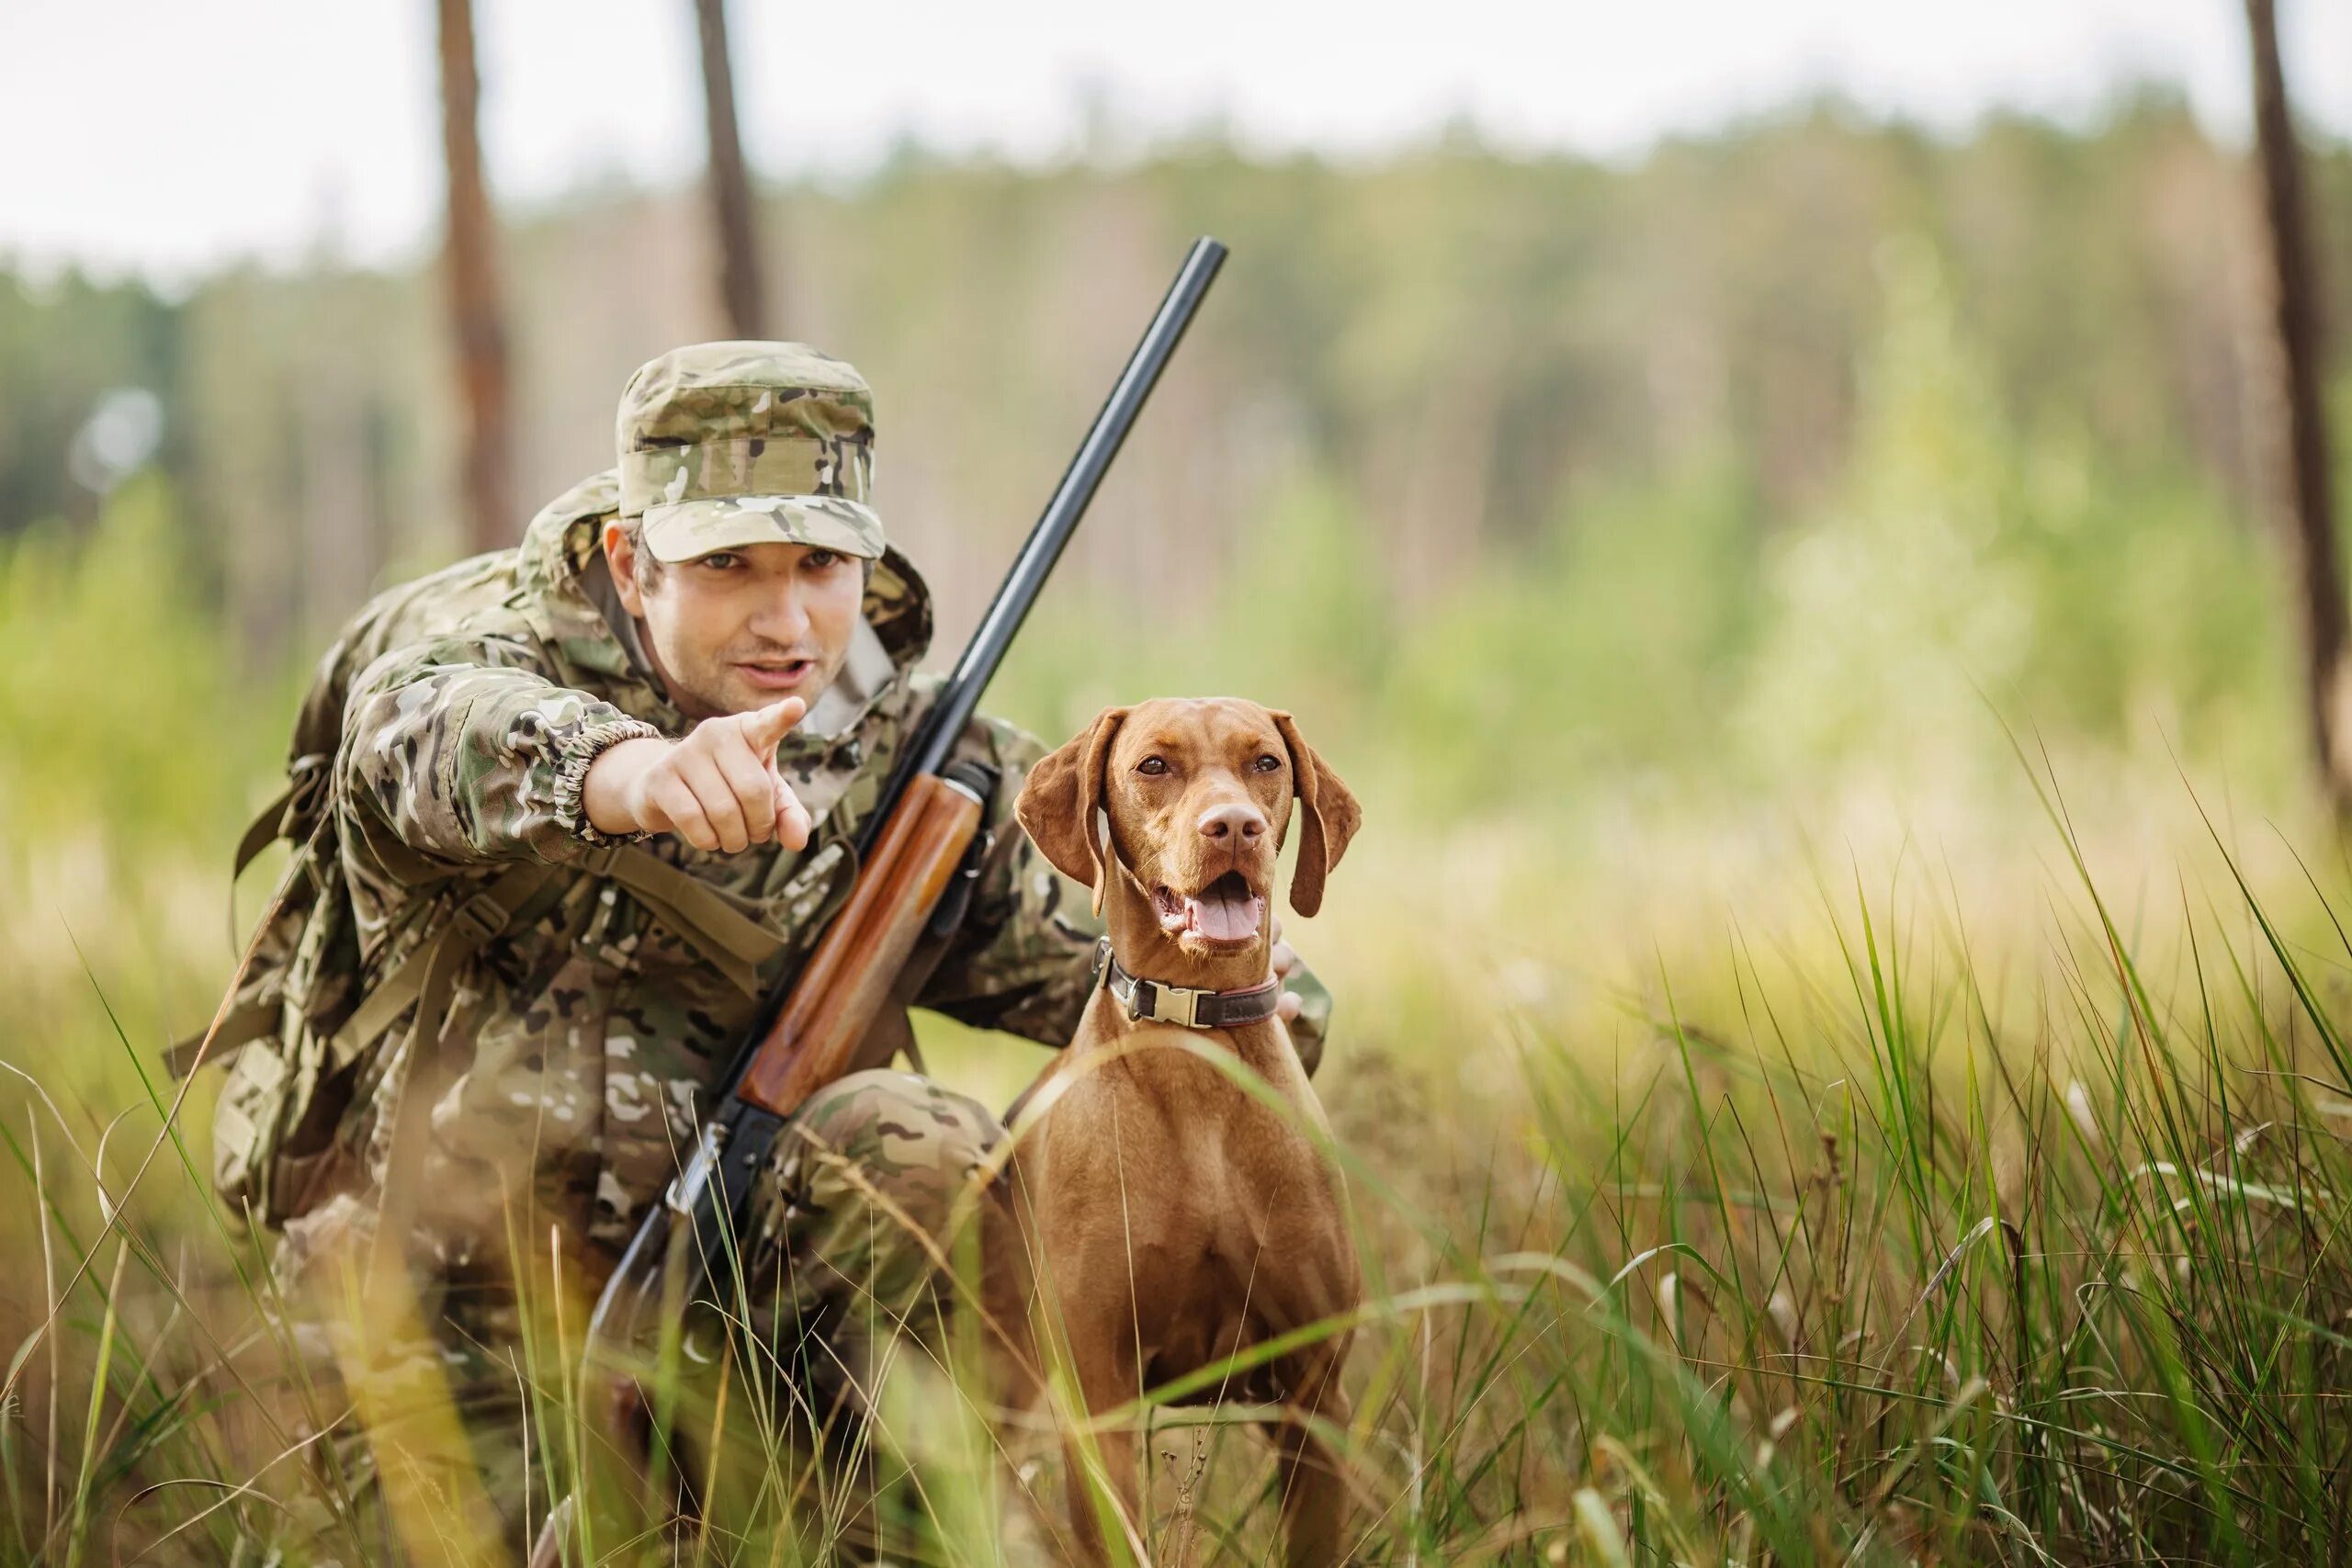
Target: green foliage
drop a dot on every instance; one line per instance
(1452, 340)
(1302, 602)
(1966, 560)
(63, 346)
(119, 694)
(1610, 651)
(135, 750)
(1916, 582)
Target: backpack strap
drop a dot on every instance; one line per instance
(433, 963)
(731, 940)
(256, 1017)
(244, 1025)
(282, 817)
(735, 944)
(262, 831)
(430, 970)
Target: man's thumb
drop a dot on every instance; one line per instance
(770, 724)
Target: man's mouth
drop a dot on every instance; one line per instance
(777, 674)
(1224, 914)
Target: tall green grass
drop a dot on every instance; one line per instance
(1879, 1236)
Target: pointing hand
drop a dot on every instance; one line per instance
(718, 789)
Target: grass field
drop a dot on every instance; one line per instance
(1870, 1199)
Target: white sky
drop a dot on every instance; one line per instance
(171, 136)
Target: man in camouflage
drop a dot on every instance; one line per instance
(644, 741)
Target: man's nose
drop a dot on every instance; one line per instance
(1234, 824)
(782, 618)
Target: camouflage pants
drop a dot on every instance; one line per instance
(872, 1186)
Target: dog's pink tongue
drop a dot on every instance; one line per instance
(1224, 916)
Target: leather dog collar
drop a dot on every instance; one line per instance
(1155, 1001)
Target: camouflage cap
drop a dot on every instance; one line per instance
(724, 444)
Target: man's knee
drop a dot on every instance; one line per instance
(915, 1142)
(868, 1191)
(877, 1174)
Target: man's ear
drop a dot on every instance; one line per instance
(1059, 800)
(1331, 812)
(620, 556)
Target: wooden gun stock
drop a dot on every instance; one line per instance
(849, 978)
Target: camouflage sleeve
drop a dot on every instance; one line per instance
(464, 750)
(1024, 960)
(1311, 1029)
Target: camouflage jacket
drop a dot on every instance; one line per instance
(580, 1048)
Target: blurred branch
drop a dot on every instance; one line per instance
(731, 185)
(476, 311)
(2294, 437)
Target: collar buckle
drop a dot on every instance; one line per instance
(1185, 1010)
(1155, 1001)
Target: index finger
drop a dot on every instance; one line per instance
(767, 727)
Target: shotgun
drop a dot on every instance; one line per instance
(815, 1026)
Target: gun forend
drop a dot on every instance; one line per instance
(847, 980)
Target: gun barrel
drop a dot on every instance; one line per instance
(961, 697)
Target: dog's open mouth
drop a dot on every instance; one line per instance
(1225, 911)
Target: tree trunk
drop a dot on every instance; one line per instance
(2294, 436)
(475, 313)
(731, 185)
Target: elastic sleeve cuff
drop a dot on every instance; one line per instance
(573, 762)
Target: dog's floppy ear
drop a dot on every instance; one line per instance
(1332, 818)
(1060, 799)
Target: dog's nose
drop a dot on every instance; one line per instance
(1232, 820)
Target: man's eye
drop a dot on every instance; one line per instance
(1152, 765)
(821, 559)
(1268, 763)
(720, 560)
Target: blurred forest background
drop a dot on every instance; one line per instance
(1777, 414)
(1789, 466)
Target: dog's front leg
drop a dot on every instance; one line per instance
(1107, 1378)
(1089, 1507)
(1314, 1494)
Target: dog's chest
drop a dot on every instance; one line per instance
(1251, 1242)
(1186, 1218)
(1227, 1302)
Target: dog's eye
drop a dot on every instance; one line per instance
(1152, 765)
(1268, 763)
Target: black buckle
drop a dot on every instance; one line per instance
(482, 912)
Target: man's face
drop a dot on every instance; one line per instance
(738, 630)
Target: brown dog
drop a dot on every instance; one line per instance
(1173, 1219)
